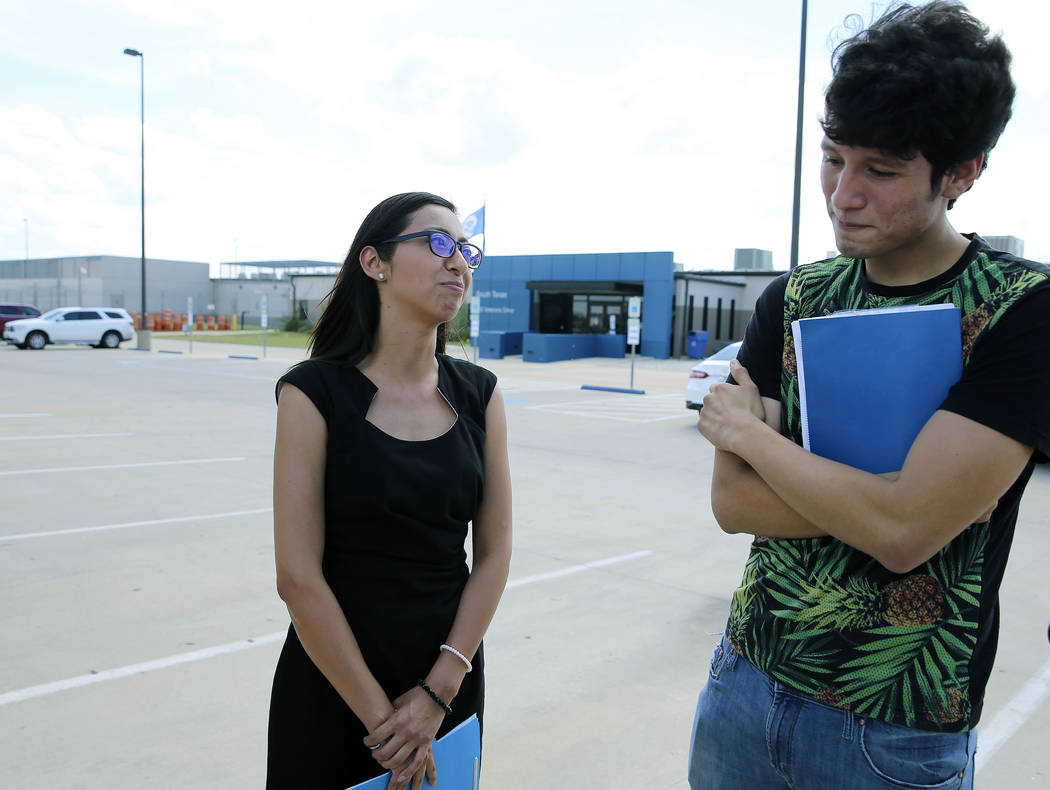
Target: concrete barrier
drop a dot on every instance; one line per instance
(496, 345)
(539, 347)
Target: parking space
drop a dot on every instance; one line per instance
(655, 408)
(141, 624)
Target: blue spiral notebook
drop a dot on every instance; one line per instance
(869, 380)
(457, 756)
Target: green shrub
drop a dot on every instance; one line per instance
(293, 323)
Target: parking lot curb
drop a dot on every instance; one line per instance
(612, 389)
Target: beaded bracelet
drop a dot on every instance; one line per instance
(433, 695)
(457, 654)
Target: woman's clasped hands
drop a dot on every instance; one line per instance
(402, 743)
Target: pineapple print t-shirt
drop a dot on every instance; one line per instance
(828, 620)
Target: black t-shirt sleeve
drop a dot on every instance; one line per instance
(309, 377)
(1006, 386)
(763, 348)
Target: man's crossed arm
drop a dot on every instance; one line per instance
(765, 484)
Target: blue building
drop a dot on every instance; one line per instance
(552, 307)
(549, 307)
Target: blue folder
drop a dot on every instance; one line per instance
(869, 380)
(457, 756)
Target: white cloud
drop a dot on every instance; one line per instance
(281, 125)
(200, 63)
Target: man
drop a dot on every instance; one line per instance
(863, 633)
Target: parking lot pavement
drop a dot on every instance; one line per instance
(141, 625)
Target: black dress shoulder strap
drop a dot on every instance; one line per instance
(470, 386)
(314, 379)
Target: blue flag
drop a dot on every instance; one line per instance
(474, 223)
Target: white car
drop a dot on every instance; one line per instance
(711, 370)
(102, 327)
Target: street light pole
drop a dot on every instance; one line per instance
(796, 206)
(143, 335)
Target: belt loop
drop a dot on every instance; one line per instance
(847, 725)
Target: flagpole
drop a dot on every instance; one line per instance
(484, 236)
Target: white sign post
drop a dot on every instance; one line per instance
(189, 319)
(634, 328)
(634, 332)
(265, 321)
(475, 324)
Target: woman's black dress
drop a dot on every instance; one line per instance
(396, 516)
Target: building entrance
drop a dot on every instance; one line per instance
(575, 311)
(555, 314)
(599, 314)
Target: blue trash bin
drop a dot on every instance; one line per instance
(697, 344)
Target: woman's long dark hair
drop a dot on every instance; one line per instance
(346, 331)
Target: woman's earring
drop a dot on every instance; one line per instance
(381, 276)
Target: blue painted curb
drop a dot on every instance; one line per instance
(612, 389)
(241, 356)
(166, 351)
(138, 349)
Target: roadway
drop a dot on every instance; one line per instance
(141, 625)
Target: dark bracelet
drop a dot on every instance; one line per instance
(433, 695)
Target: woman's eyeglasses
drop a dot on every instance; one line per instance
(444, 246)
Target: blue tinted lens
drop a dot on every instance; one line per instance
(472, 255)
(442, 245)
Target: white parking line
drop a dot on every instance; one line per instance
(1012, 717)
(539, 577)
(54, 469)
(623, 408)
(128, 524)
(61, 436)
(271, 379)
(135, 669)
(45, 689)
(19, 415)
(522, 386)
(198, 371)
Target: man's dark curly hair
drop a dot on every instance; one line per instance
(928, 79)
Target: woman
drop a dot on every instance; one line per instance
(386, 449)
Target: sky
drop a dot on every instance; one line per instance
(273, 127)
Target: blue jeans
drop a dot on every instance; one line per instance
(751, 733)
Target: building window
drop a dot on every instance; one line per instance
(732, 318)
(689, 316)
(718, 319)
(703, 318)
(579, 314)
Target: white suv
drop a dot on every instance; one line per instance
(102, 327)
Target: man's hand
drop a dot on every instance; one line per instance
(728, 407)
